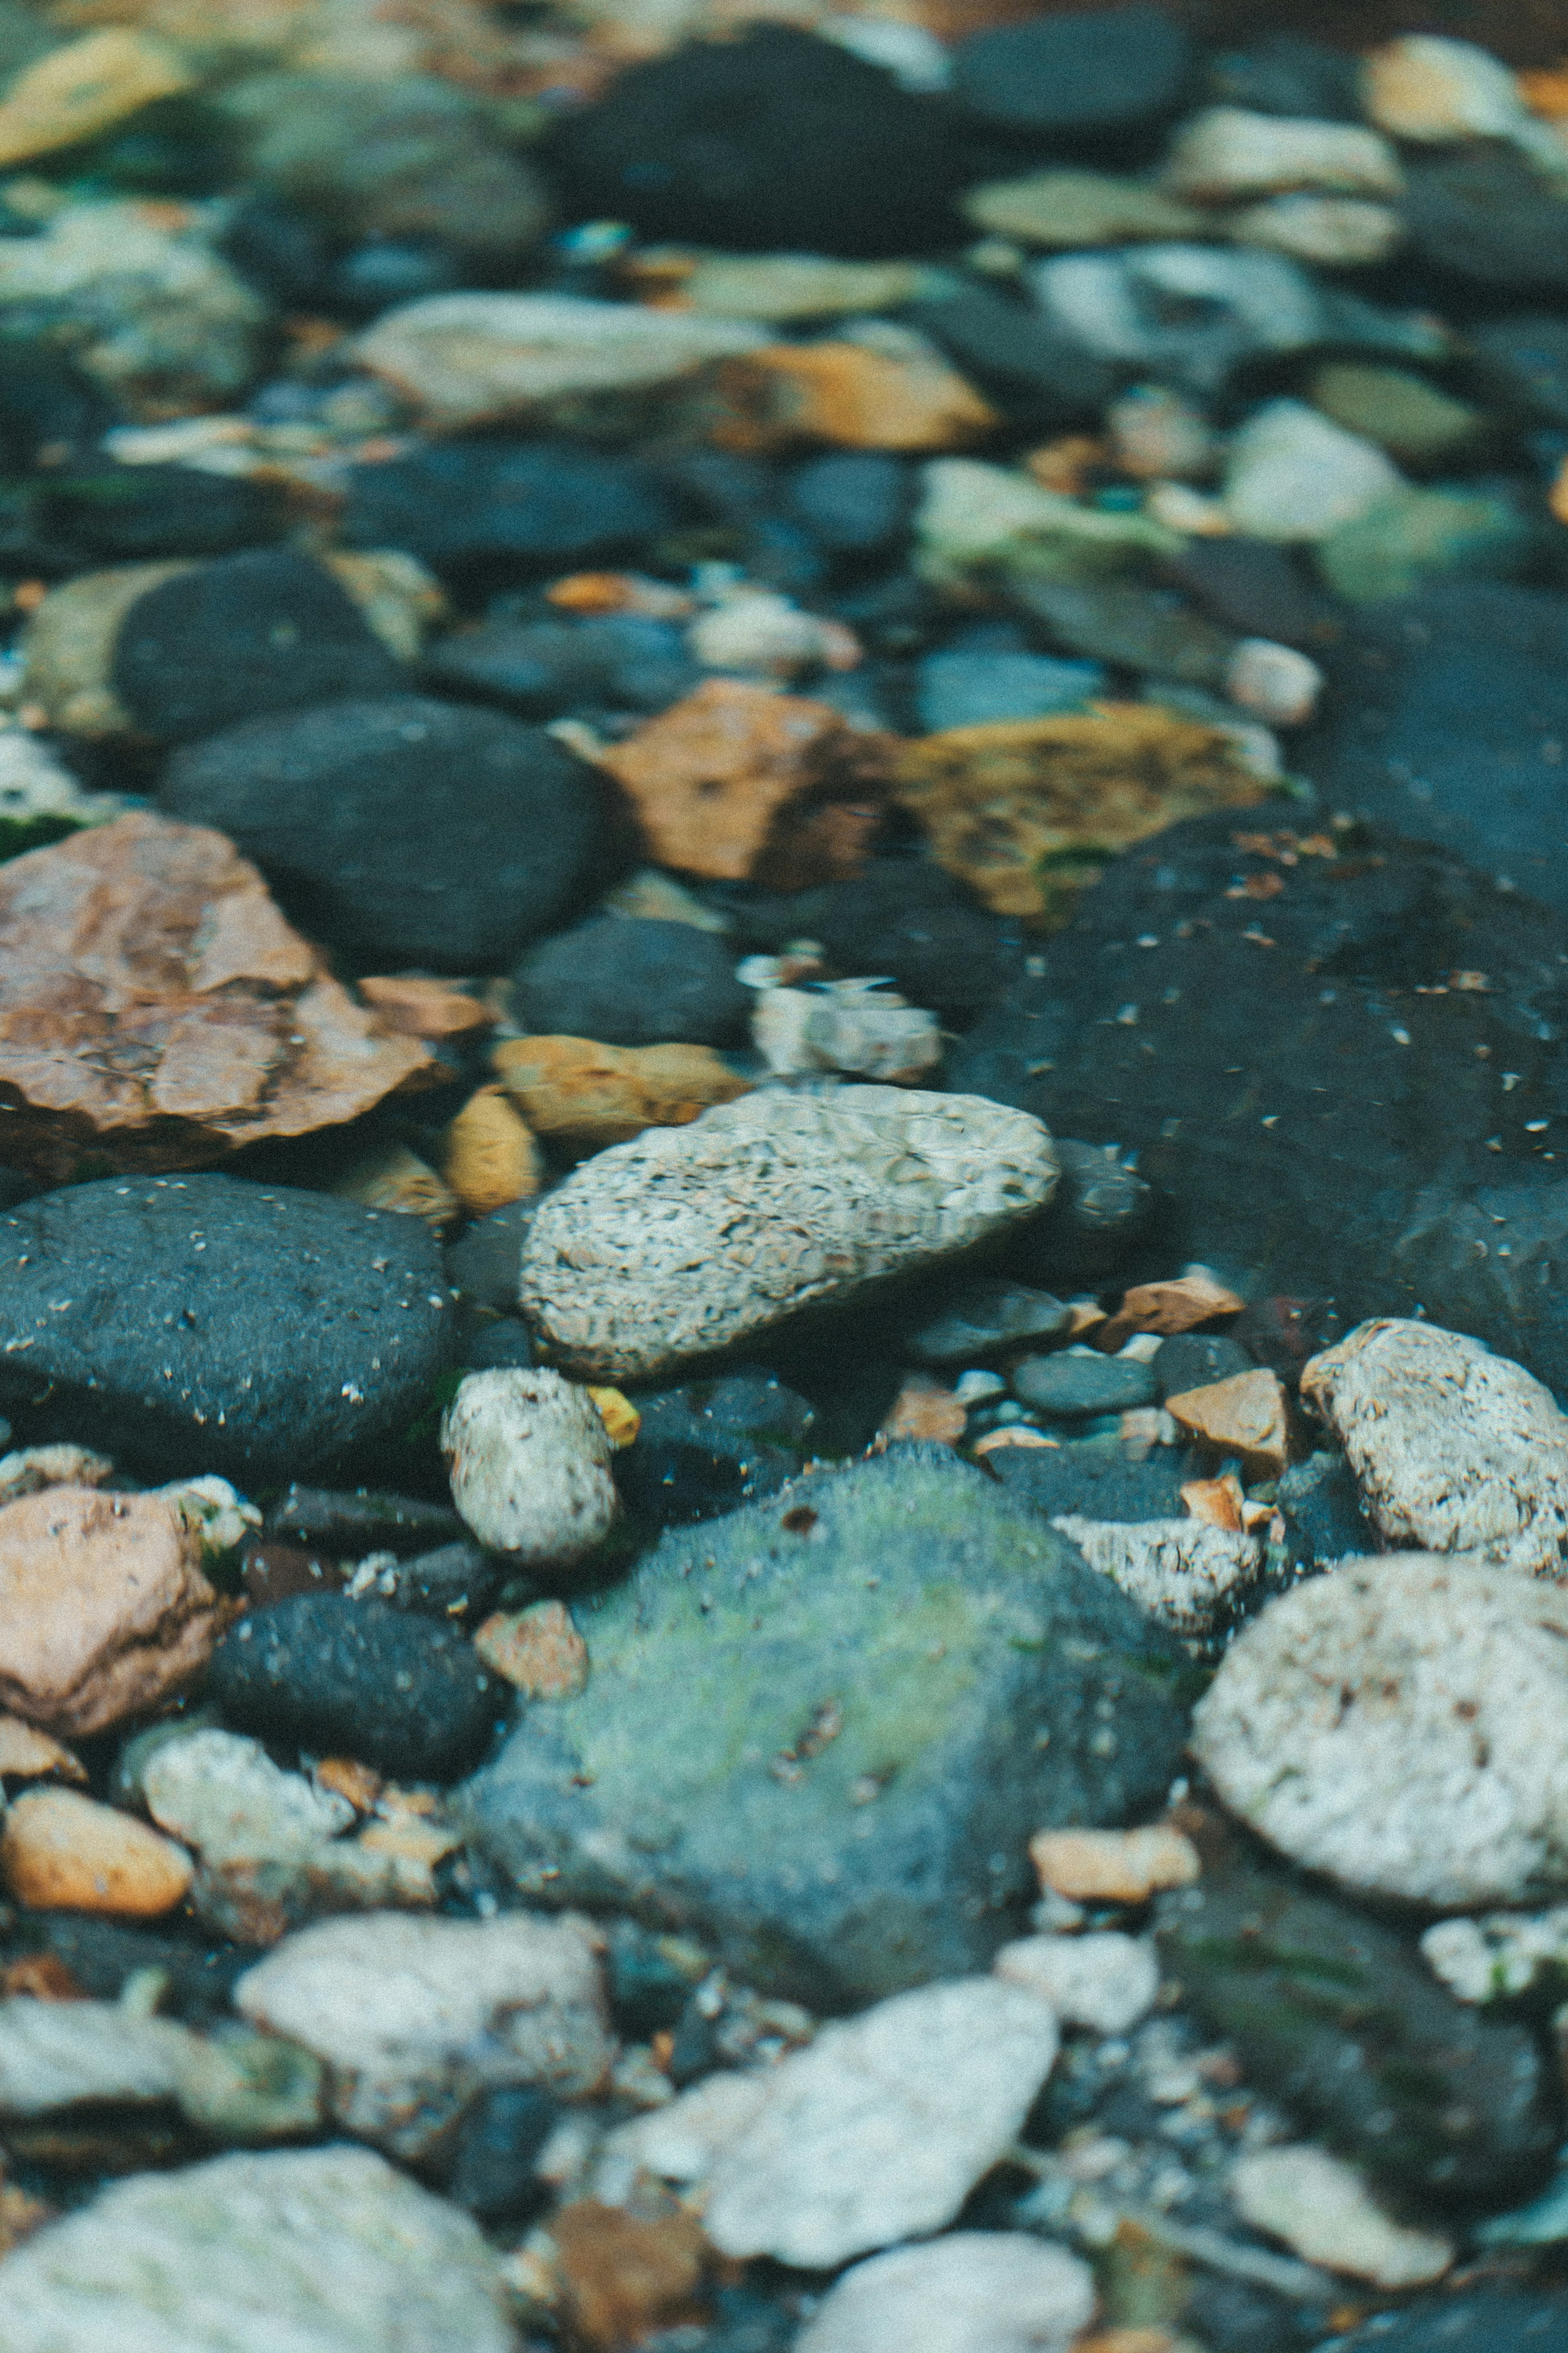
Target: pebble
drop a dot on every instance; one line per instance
(1081, 1382)
(780, 287)
(1080, 72)
(1071, 209)
(1276, 683)
(983, 1317)
(299, 1330)
(330, 2245)
(1489, 2320)
(1192, 1577)
(1227, 153)
(1413, 536)
(359, 1678)
(1173, 1306)
(1294, 475)
(584, 1096)
(1454, 1450)
(1428, 90)
(53, 2054)
(1192, 313)
(858, 1027)
(1415, 420)
(82, 87)
(28, 1755)
(529, 1457)
(249, 2088)
(631, 981)
(623, 2275)
(1246, 1415)
(689, 1225)
(482, 359)
(490, 1157)
(978, 518)
(487, 510)
(1113, 1866)
(59, 1851)
(974, 689)
(538, 1650)
(1322, 2209)
(417, 832)
(971, 2292)
(906, 398)
(880, 2129)
(1104, 1982)
(703, 1448)
(1337, 232)
(1491, 216)
(1395, 1727)
(1193, 1360)
(413, 2017)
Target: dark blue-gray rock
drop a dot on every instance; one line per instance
(631, 980)
(818, 1733)
(366, 1519)
(1096, 1478)
(455, 1580)
(1524, 361)
(103, 1954)
(1477, 2320)
(1256, 589)
(1122, 621)
(342, 1678)
(649, 1977)
(980, 1319)
(403, 830)
(1284, 73)
(193, 1323)
(1352, 1091)
(1078, 1382)
(903, 920)
(1451, 723)
(710, 1446)
(542, 668)
(1337, 2016)
(485, 513)
(266, 631)
(1196, 1360)
(774, 143)
(1320, 1506)
(486, 1263)
(855, 502)
(1100, 1209)
(959, 689)
(1060, 77)
(498, 1342)
(495, 2150)
(1486, 213)
(140, 514)
(1040, 375)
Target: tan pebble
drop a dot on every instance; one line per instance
(62, 1852)
(1219, 1502)
(1018, 1434)
(589, 1095)
(411, 1840)
(76, 91)
(538, 1650)
(1246, 1414)
(923, 1410)
(397, 1179)
(491, 1157)
(423, 1009)
(1113, 1866)
(619, 1414)
(27, 1755)
(1178, 1305)
(852, 398)
(345, 1776)
(623, 2275)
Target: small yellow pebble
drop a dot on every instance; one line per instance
(619, 1414)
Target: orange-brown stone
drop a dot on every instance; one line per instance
(28, 1755)
(1247, 1416)
(854, 398)
(1113, 1866)
(63, 1851)
(625, 2276)
(411, 1007)
(538, 1650)
(588, 1096)
(491, 1157)
(1185, 1301)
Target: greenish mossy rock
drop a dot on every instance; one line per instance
(1414, 420)
(1413, 536)
(819, 1732)
(1338, 2016)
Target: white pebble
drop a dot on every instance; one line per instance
(529, 1462)
(1106, 1982)
(975, 2292)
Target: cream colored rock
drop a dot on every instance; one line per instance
(691, 1238)
(775, 286)
(28, 1755)
(104, 1610)
(1276, 683)
(880, 2129)
(1105, 1981)
(1225, 153)
(1295, 476)
(1430, 90)
(75, 92)
(1401, 1725)
(56, 2054)
(1342, 232)
(1499, 1954)
(1324, 2212)
(395, 1178)
(413, 2016)
(30, 1469)
(1188, 1574)
(1113, 1866)
(971, 2292)
(529, 1462)
(1067, 210)
(61, 1851)
(1454, 1450)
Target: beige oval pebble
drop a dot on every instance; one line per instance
(59, 1851)
(1113, 1866)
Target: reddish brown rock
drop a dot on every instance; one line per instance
(623, 2276)
(156, 1009)
(1178, 1305)
(586, 1095)
(411, 1007)
(1247, 1415)
(538, 1650)
(735, 782)
(62, 1852)
(104, 1611)
(853, 398)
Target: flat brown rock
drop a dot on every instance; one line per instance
(1246, 1414)
(63, 1851)
(155, 1008)
(104, 1610)
(735, 782)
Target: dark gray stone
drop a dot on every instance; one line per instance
(454, 1580)
(1193, 1360)
(1105, 69)
(143, 514)
(853, 501)
(1482, 211)
(192, 1324)
(1320, 1506)
(1480, 2320)
(360, 1679)
(1122, 621)
(1281, 73)
(903, 920)
(1100, 1208)
(815, 1732)
(1256, 589)
(486, 1263)
(406, 830)
(1040, 376)
(982, 1318)
(542, 668)
(337, 1522)
(1079, 1382)
(489, 512)
(495, 2150)
(1095, 1479)
(629, 980)
(709, 1446)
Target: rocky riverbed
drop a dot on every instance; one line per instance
(783, 1177)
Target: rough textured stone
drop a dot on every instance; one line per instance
(331, 2245)
(1321, 2210)
(1105, 1981)
(216, 1325)
(691, 1238)
(880, 2129)
(104, 1611)
(413, 2016)
(1454, 1450)
(60, 1851)
(529, 1457)
(1398, 1725)
(833, 1831)
(971, 2292)
(157, 1012)
(585, 1095)
(1191, 1576)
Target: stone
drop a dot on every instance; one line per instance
(28, 1755)
(959, 688)
(412, 2018)
(1113, 1866)
(776, 287)
(67, 647)
(979, 1318)
(1499, 1954)
(1335, 2014)
(397, 1179)
(487, 510)
(538, 1650)
(1104, 1982)
(1099, 1478)
(213, 1323)
(586, 1096)
(1341, 232)
(860, 1026)
(923, 1411)
(1293, 475)
(249, 2088)
(976, 518)
(1081, 1382)
(735, 782)
(332, 2245)
(411, 1006)
(406, 829)
(1180, 312)
(1070, 209)
(1394, 1727)
(1490, 216)
(623, 2275)
(446, 1583)
(53, 2054)
(1320, 1506)
(359, 1678)
(83, 88)
(903, 917)
(632, 981)
(814, 151)
(1246, 1415)
(880, 2129)
(483, 359)
(1192, 1360)
(971, 2292)
(689, 1240)
(529, 1458)
(1286, 73)
(1170, 1308)
(1431, 90)
(1322, 2209)
(779, 1816)
(1189, 1575)
(1454, 1450)
(1227, 154)
(1078, 73)
(1413, 536)
(705, 1448)
(126, 1040)
(1275, 683)
(1488, 2320)
(1415, 420)
(852, 397)
(61, 1851)
(1019, 810)
(491, 1157)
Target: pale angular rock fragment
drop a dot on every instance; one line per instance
(1105, 1981)
(1189, 1575)
(1322, 2209)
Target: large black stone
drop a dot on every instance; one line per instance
(633, 981)
(487, 512)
